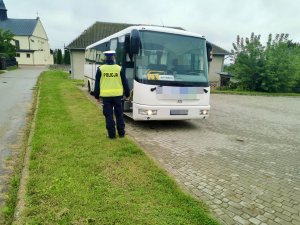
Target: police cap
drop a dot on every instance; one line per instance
(109, 53)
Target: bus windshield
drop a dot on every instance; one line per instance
(171, 60)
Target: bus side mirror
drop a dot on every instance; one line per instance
(127, 43)
(209, 51)
(127, 47)
(135, 42)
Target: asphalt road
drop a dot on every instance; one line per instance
(243, 161)
(16, 89)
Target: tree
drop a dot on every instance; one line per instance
(67, 57)
(6, 37)
(55, 56)
(271, 68)
(249, 62)
(280, 67)
(59, 56)
(295, 49)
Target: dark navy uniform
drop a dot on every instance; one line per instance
(111, 84)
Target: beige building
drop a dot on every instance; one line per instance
(96, 32)
(77, 61)
(217, 65)
(30, 39)
(100, 30)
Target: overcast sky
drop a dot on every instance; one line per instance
(219, 20)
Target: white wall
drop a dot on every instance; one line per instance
(39, 31)
(24, 60)
(77, 64)
(38, 42)
(215, 67)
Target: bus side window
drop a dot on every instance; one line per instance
(113, 44)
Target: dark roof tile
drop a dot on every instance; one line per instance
(2, 5)
(19, 27)
(219, 51)
(100, 30)
(96, 32)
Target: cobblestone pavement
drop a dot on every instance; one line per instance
(243, 161)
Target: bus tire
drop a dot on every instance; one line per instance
(89, 89)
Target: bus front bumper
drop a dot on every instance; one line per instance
(145, 112)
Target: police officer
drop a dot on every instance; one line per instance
(111, 84)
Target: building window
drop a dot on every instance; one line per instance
(28, 55)
(17, 44)
(18, 55)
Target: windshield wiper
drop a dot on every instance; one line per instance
(153, 89)
(172, 83)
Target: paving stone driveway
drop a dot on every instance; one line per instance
(244, 161)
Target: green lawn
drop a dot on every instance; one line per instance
(8, 69)
(12, 68)
(78, 176)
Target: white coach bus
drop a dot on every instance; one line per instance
(166, 69)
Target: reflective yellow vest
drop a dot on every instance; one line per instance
(110, 81)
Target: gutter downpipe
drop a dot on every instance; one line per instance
(30, 49)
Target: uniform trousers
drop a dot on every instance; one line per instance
(113, 106)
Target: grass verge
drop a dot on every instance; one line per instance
(12, 68)
(78, 176)
(8, 69)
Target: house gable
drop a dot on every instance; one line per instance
(39, 30)
(30, 39)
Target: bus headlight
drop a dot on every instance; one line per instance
(203, 112)
(148, 112)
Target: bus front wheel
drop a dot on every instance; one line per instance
(89, 89)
